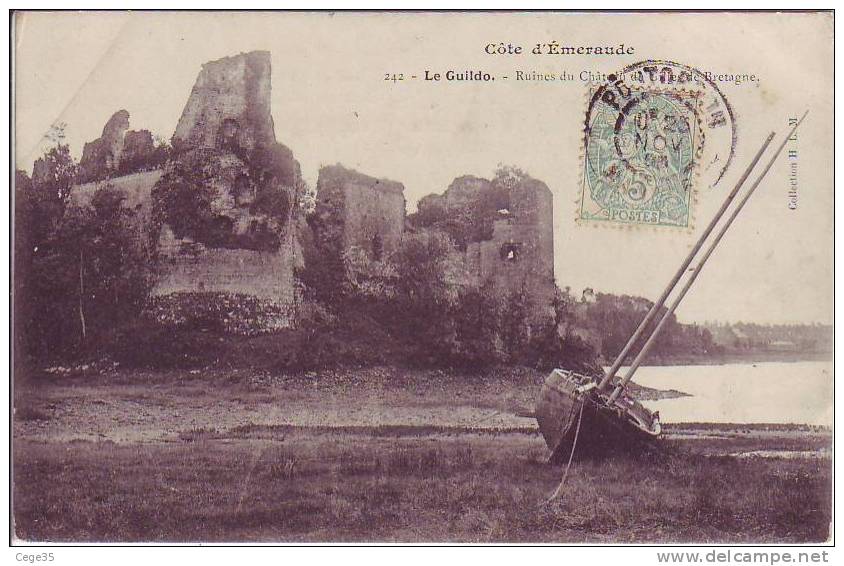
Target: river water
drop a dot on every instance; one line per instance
(766, 392)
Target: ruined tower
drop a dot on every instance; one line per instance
(224, 147)
(226, 132)
(519, 258)
(503, 232)
(102, 156)
(229, 105)
(366, 213)
(117, 151)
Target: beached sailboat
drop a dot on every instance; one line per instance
(598, 415)
(572, 409)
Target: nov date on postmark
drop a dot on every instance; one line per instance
(645, 135)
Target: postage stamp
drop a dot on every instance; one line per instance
(639, 164)
(648, 133)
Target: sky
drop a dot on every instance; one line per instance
(331, 104)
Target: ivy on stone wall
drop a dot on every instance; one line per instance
(473, 220)
(276, 174)
(183, 198)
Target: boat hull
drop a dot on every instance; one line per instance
(570, 407)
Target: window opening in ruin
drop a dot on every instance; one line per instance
(222, 222)
(377, 247)
(227, 138)
(242, 191)
(510, 251)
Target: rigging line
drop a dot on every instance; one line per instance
(559, 490)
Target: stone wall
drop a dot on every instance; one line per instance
(138, 150)
(368, 212)
(515, 253)
(184, 266)
(229, 104)
(187, 268)
(227, 117)
(520, 256)
(136, 188)
(228, 114)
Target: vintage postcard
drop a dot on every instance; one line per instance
(422, 277)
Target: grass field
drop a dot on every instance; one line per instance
(473, 488)
(154, 458)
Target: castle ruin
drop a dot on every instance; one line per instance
(229, 106)
(505, 236)
(117, 151)
(368, 213)
(519, 257)
(248, 240)
(226, 134)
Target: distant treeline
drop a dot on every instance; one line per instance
(609, 320)
(744, 337)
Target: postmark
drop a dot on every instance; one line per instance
(650, 131)
(639, 164)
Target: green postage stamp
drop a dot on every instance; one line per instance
(639, 158)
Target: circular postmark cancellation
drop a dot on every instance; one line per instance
(650, 131)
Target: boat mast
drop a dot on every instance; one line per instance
(670, 287)
(696, 271)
